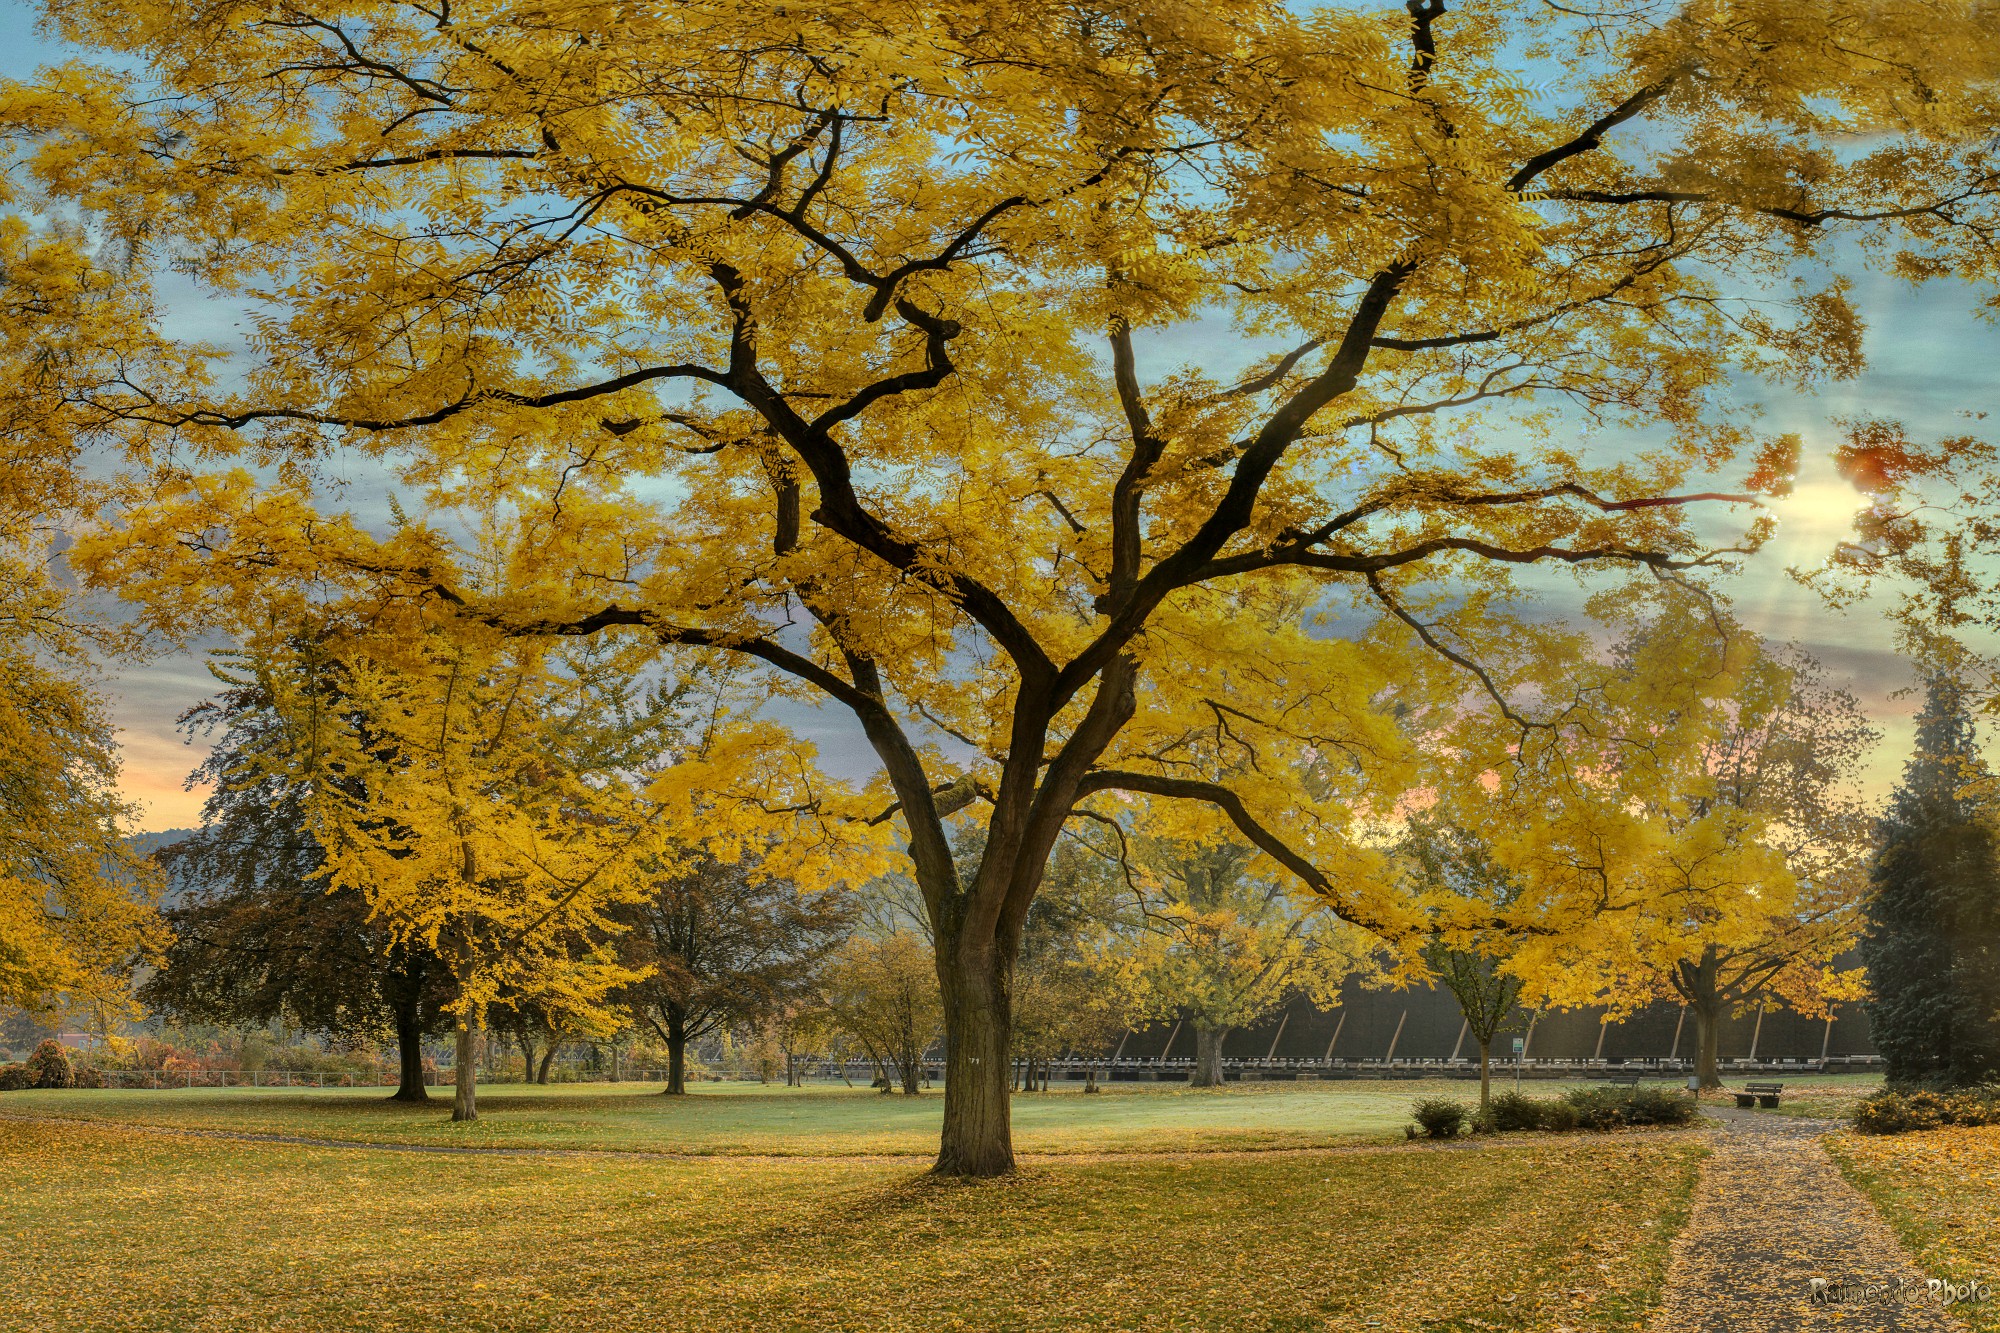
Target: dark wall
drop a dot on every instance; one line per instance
(1365, 1022)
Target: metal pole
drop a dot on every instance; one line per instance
(1602, 1024)
(1396, 1037)
(1675, 1053)
(1756, 1032)
(1328, 1059)
(1170, 1041)
(1274, 1036)
(1459, 1044)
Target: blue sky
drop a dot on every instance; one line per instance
(1930, 362)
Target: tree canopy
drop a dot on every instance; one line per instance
(844, 341)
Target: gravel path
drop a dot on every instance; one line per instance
(1772, 1213)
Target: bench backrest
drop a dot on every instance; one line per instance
(1763, 1087)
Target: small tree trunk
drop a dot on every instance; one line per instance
(548, 1058)
(527, 1044)
(1707, 1035)
(978, 1137)
(409, 1055)
(677, 1044)
(1485, 1074)
(1207, 1056)
(465, 1073)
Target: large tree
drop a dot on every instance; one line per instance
(843, 340)
(722, 944)
(1932, 945)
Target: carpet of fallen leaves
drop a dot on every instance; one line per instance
(1940, 1190)
(105, 1228)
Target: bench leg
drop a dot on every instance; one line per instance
(1745, 1099)
(1770, 1099)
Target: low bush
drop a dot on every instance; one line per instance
(1596, 1108)
(1607, 1108)
(1440, 1117)
(49, 1066)
(1555, 1115)
(13, 1078)
(1659, 1106)
(1512, 1111)
(1905, 1112)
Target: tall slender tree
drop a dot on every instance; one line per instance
(1932, 945)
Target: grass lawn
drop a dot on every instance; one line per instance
(1821, 1096)
(1941, 1192)
(748, 1118)
(106, 1228)
(815, 1121)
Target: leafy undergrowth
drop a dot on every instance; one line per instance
(1941, 1192)
(735, 1118)
(110, 1229)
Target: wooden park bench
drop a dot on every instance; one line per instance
(1759, 1094)
(1621, 1080)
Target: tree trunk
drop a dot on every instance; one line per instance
(1207, 1056)
(465, 1073)
(677, 1045)
(978, 1137)
(1707, 1035)
(527, 1044)
(548, 1058)
(1485, 1075)
(409, 1055)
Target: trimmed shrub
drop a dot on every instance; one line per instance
(15, 1077)
(1512, 1111)
(49, 1066)
(1597, 1108)
(1440, 1117)
(1555, 1115)
(1659, 1106)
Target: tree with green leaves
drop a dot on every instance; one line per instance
(1932, 945)
(1472, 965)
(723, 943)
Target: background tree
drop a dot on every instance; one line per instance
(1787, 750)
(1066, 991)
(835, 340)
(1473, 965)
(1226, 946)
(1932, 945)
(485, 806)
(258, 932)
(722, 943)
(883, 991)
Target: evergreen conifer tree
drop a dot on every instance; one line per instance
(1932, 945)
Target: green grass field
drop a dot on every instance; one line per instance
(748, 1118)
(752, 1119)
(103, 1227)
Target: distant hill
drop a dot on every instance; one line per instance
(145, 844)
